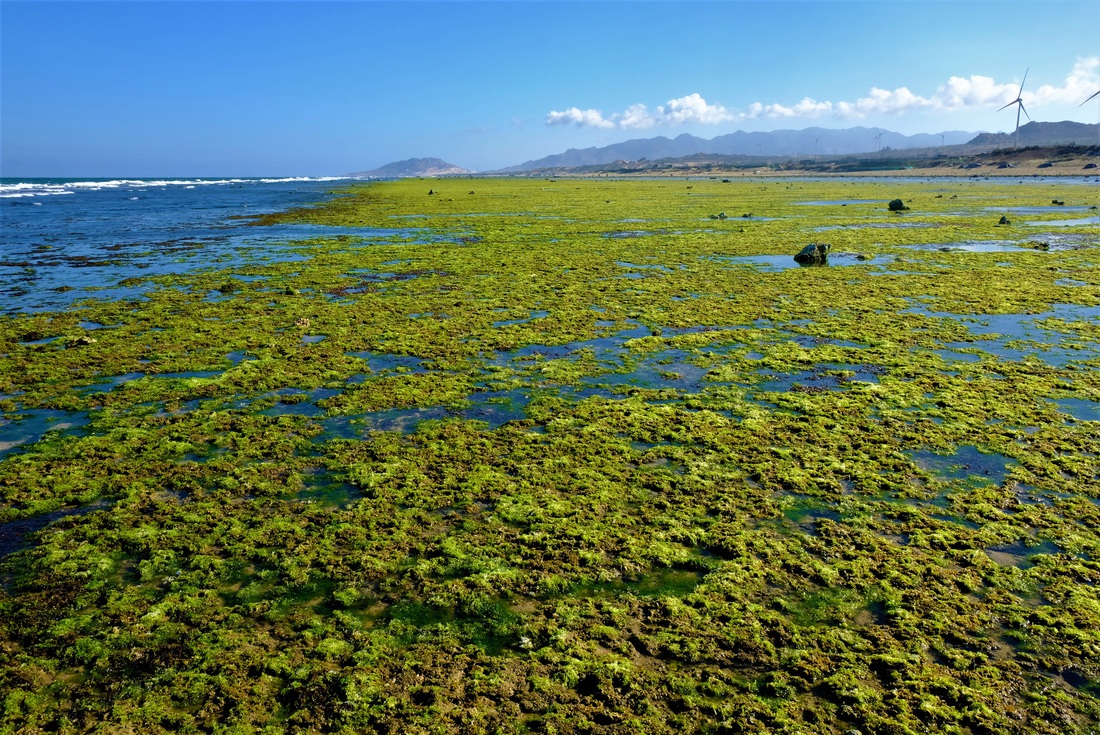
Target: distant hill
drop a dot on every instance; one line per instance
(411, 167)
(808, 142)
(1043, 133)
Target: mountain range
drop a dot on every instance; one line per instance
(1043, 133)
(411, 167)
(807, 142)
(810, 142)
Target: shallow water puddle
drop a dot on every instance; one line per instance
(533, 316)
(1079, 408)
(630, 234)
(1019, 336)
(323, 488)
(1040, 209)
(30, 426)
(494, 408)
(380, 362)
(1065, 222)
(664, 369)
(952, 356)
(805, 514)
(973, 246)
(109, 384)
(777, 263)
(1019, 554)
(13, 534)
(824, 377)
(297, 402)
(966, 462)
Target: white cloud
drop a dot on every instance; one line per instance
(958, 94)
(693, 109)
(1080, 83)
(977, 91)
(637, 117)
(806, 108)
(582, 118)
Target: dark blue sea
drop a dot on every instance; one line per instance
(64, 240)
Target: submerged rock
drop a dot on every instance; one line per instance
(813, 254)
(80, 341)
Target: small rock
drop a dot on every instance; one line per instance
(1059, 203)
(80, 341)
(813, 254)
(897, 205)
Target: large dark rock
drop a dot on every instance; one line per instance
(897, 205)
(816, 253)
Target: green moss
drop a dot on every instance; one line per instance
(714, 504)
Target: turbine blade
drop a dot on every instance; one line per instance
(1010, 104)
(1089, 99)
(1024, 111)
(1022, 81)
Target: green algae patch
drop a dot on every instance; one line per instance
(571, 456)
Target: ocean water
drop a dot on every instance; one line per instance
(63, 240)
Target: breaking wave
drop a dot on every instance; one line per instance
(53, 187)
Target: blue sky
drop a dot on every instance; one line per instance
(324, 88)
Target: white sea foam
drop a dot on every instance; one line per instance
(36, 189)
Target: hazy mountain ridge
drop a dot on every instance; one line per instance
(1044, 133)
(806, 142)
(412, 167)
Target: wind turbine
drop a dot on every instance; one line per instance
(1086, 101)
(1020, 102)
(877, 140)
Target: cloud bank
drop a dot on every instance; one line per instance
(956, 95)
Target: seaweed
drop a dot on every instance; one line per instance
(469, 478)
